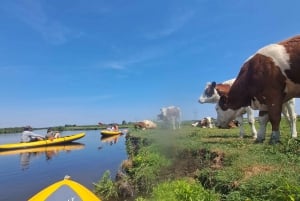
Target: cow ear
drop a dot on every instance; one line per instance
(213, 84)
(223, 102)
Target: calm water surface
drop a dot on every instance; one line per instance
(22, 174)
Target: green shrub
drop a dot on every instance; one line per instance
(182, 190)
(264, 188)
(105, 187)
(286, 191)
(140, 199)
(236, 196)
(292, 146)
(146, 167)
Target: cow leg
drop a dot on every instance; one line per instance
(179, 124)
(173, 123)
(241, 125)
(178, 120)
(210, 124)
(263, 120)
(275, 116)
(251, 121)
(288, 110)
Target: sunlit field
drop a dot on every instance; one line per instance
(210, 164)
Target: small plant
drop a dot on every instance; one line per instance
(206, 177)
(257, 188)
(140, 199)
(267, 188)
(286, 191)
(146, 166)
(182, 190)
(292, 146)
(105, 187)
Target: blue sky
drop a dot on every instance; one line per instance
(84, 62)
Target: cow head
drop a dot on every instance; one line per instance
(210, 94)
(167, 112)
(225, 114)
(163, 114)
(163, 111)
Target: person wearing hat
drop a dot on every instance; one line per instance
(29, 136)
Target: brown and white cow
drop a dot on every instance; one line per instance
(212, 93)
(206, 122)
(140, 125)
(145, 124)
(266, 80)
(170, 115)
(150, 124)
(209, 122)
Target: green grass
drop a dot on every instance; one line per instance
(214, 162)
(105, 188)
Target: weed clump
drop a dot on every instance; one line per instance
(105, 188)
(146, 166)
(182, 190)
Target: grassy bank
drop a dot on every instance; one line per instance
(58, 128)
(205, 164)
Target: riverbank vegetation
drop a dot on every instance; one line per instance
(58, 128)
(206, 164)
(67, 127)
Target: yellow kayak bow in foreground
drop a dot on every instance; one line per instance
(65, 189)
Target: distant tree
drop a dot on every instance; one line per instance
(70, 125)
(60, 128)
(124, 122)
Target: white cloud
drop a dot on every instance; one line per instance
(117, 65)
(139, 57)
(174, 24)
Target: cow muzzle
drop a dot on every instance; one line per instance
(222, 125)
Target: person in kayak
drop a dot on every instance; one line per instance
(52, 134)
(113, 127)
(29, 136)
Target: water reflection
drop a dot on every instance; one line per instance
(27, 155)
(25, 159)
(110, 139)
(86, 165)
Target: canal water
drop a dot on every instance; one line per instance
(23, 174)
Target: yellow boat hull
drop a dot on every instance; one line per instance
(110, 133)
(40, 143)
(65, 189)
(56, 148)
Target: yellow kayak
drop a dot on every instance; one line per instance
(40, 143)
(65, 189)
(56, 148)
(110, 132)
